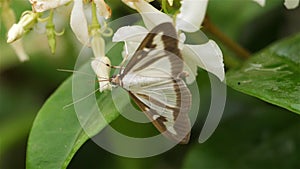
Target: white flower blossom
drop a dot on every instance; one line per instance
(44, 5)
(82, 16)
(79, 23)
(15, 32)
(18, 47)
(103, 9)
(78, 18)
(191, 15)
(27, 21)
(207, 56)
(132, 35)
(101, 63)
(151, 16)
(8, 18)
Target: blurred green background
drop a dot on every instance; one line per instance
(252, 133)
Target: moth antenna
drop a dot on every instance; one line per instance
(75, 71)
(79, 100)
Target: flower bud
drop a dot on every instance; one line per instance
(98, 45)
(51, 35)
(27, 21)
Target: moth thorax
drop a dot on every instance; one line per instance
(115, 80)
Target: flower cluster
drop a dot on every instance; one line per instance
(87, 21)
(207, 56)
(84, 13)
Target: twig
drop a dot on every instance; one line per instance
(240, 51)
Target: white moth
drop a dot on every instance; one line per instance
(153, 79)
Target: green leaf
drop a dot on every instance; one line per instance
(262, 137)
(57, 134)
(272, 74)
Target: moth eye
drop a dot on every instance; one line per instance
(107, 65)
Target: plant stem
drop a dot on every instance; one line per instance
(239, 50)
(95, 22)
(164, 6)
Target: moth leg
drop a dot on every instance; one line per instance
(116, 67)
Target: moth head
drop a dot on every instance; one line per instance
(115, 80)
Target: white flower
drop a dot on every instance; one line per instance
(44, 5)
(82, 16)
(131, 35)
(103, 9)
(151, 16)
(191, 15)
(79, 23)
(99, 65)
(8, 18)
(27, 21)
(18, 47)
(79, 17)
(15, 32)
(207, 56)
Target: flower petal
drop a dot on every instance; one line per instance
(99, 65)
(79, 23)
(130, 33)
(208, 56)
(260, 2)
(43, 5)
(15, 32)
(190, 66)
(98, 46)
(103, 9)
(151, 16)
(170, 2)
(132, 36)
(18, 47)
(191, 15)
(291, 4)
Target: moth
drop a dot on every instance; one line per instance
(153, 77)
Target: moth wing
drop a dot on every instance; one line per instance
(160, 43)
(167, 105)
(152, 78)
